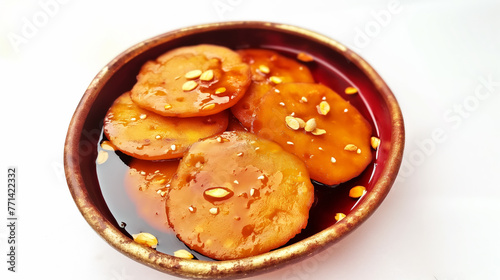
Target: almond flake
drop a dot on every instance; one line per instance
(208, 107)
(357, 191)
(310, 125)
(189, 85)
(375, 142)
(207, 75)
(323, 108)
(292, 122)
(304, 57)
(217, 192)
(339, 216)
(145, 238)
(183, 254)
(193, 74)
(276, 80)
(318, 131)
(264, 69)
(302, 123)
(102, 157)
(220, 90)
(351, 90)
(351, 148)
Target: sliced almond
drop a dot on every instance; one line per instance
(183, 254)
(318, 131)
(310, 125)
(357, 191)
(302, 123)
(102, 157)
(217, 192)
(264, 69)
(304, 57)
(193, 74)
(292, 122)
(189, 85)
(220, 90)
(275, 79)
(339, 216)
(375, 142)
(208, 106)
(207, 75)
(145, 238)
(351, 90)
(351, 148)
(323, 108)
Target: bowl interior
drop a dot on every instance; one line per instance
(333, 65)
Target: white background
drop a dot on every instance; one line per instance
(440, 221)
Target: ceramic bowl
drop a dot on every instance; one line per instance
(334, 65)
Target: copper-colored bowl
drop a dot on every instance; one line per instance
(334, 65)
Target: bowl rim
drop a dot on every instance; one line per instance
(238, 268)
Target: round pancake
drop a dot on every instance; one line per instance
(146, 135)
(236, 195)
(192, 81)
(336, 150)
(146, 183)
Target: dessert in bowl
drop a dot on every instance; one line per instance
(337, 202)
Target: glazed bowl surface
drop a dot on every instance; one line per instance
(334, 65)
